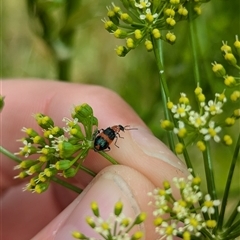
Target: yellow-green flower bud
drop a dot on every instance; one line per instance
(63, 164)
(90, 222)
(170, 21)
(30, 132)
(179, 148)
(43, 158)
(95, 209)
(70, 172)
(49, 172)
(110, 26)
(126, 18)
(227, 140)
(148, 45)
(230, 58)
(35, 168)
(174, 1)
(167, 125)
(171, 38)
(119, 33)
(237, 45)
(118, 208)
(1, 102)
(236, 113)
(196, 181)
(186, 235)
(81, 112)
(130, 43)
(41, 187)
(77, 132)
(156, 33)
(226, 48)
(183, 11)
(39, 140)
(22, 175)
(66, 149)
(44, 121)
(137, 235)
(166, 185)
(121, 51)
(57, 131)
(201, 97)
(182, 132)
(47, 133)
(169, 12)
(235, 96)
(33, 181)
(125, 222)
(218, 69)
(198, 90)
(78, 235)
(229, 81)
(201, 145)
(27, 163)
(211, 223)
(183, 99)
(230, 121)
(42, 177)
(158, 221)
(138, 34)
(140, 218)
(170, 105)
(198, 10)
(113, 17)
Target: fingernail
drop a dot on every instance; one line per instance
(153, 147)
(106, 189)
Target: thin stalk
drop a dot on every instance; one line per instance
(233, 216)
(158, 52)
(228, 184)
(67, 185)
(193, 43)
(210, 176)
(10, 155)
(109, 158)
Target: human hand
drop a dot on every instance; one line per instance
(145, 163)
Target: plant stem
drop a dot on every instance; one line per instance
(210, 176)
(66, 184)
(109, 158)
(10, 155)
(194, 43)
(157, 46)
(228, 184)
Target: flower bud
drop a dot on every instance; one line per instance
(121, 51)
(148, 45)
(137, 235)
(78, 235)
(170, 21)
(66, 149)
(235, 96)
(90, 222)
(229, 81)
(237, 45)
(70, 172)
(130, 43)
(27, 163)
(156, 33)
(226, 48)
(171, 38)
(179, 148)
(182, 11)
(35, 168)
(118, 208)
(49, 172)
(119, 33)
(218, 69)
(44, 121)
(236, 113)
(230, 58)
(110, 26)
(227, 140)
(81, 112)
(167, 125)
(41, 187)
(95, 209)
(113, 17)
(126, 18)
(138, 34)
(63, 164)
(140, 218)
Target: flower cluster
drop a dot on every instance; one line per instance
(184, 217)
(117, 227)
(199, 125)
(56, 151)
(146, 20)
(230, 57)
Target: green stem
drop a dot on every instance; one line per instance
(10, 155)
(66, 184)
(228, 184)
(87, 170)
(194, 43)
(109, 158)
(233, 216)
(210, 176)
(158, 52)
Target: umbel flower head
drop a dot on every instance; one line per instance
(141, 21)
(117, 226)
(57, 150)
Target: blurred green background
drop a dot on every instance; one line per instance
(134, 77)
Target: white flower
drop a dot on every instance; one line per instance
(180, 110)
(143, 4)
(198, 120)
(214, 107)
(208, 205)
(211, 132)
(148, 14)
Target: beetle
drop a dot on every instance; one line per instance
(104, 137)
